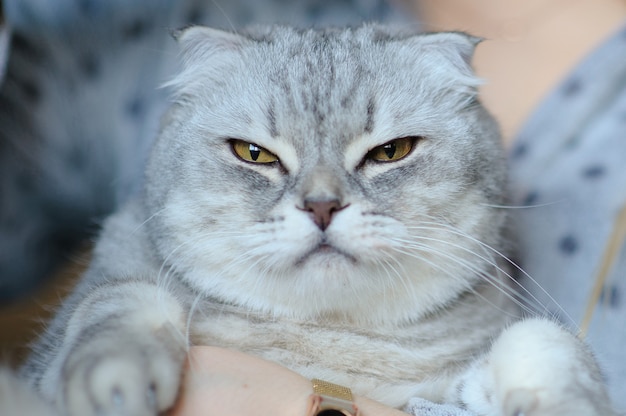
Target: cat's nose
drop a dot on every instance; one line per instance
(322, 210)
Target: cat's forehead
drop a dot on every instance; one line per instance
(337, 81)
(319, 86)
(332, 85)
(325, 63)
(327, 68)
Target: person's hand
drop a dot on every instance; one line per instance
(222, 382)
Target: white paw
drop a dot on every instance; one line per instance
(123, 376)
(536, 368)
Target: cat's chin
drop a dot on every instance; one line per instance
(325, 255)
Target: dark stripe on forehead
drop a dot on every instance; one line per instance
(271, 117)
(369, 122)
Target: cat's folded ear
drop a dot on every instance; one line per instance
(454, 45)
(200, 42)
(449, 55)
(204, 54)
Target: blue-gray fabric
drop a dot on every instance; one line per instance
(568, 169)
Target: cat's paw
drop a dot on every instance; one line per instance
(123, 376)
(536, 368)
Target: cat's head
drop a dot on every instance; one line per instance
(336, 173)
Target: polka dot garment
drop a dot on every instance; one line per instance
(568, 169)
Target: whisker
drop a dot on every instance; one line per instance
(525, 295)
(192, 310)
(397, 273)
(441, 227)
(228, 20)
(489, 261)
(505, 289)
(172, 265)
(546, 204)
(448, 273)
(146, 221)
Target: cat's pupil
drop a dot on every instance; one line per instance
(390, 150)
(255, 152)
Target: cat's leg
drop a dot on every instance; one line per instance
(121, 354)
(535, 368)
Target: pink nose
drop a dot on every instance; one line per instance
(322, 211)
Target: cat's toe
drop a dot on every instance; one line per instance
(520, 402)
(112, 385)
(119, 385)
(140, 381)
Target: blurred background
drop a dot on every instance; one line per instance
(79, 106)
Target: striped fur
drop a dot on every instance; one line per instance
(386, 276)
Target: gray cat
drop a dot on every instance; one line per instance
(318, 196)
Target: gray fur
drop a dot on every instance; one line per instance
(79, 109)
(400, 296)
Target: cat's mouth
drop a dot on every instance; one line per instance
(327, 251)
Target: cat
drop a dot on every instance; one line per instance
(328, 199)
(80, 103)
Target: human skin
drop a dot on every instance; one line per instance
(223, 382)
(530, 45)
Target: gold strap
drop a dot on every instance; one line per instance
(324, 388)
(616, 240)
(331, 399)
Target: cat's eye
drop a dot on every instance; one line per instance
(393, 150)
(250, 152)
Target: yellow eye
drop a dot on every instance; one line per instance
(250, 152)
(393, 150)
